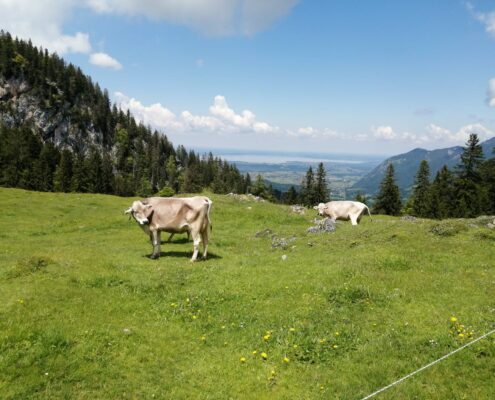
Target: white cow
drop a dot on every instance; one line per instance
(343, 210)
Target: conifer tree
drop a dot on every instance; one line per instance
(487, 171)
(361, 198)
(321, 187)
(388, 200)
(421, 192)
(63, 173)
(308, 189)
(469, 202)
(291, 196)
(442, 195)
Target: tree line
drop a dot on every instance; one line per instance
(467, 191)
(123, 158)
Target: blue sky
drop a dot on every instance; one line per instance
(336, 75)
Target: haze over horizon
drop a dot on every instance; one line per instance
(287, 75)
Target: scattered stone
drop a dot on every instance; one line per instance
(281, 242)
(284, 257)
(409, 218)
(323, 225)
(297, 209)
(263, 233)
(246, 197)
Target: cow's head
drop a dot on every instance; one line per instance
(141, 212)
(320, 208)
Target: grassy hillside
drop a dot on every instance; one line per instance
(85, 314)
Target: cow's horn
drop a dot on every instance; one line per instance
(128, 211)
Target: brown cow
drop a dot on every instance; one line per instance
(174, 215)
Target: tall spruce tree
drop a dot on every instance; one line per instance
(442, 196)
(321, 187)
(63, 173)
(487, 171)
(421, 192)
(388, 200)
(468, 189)
(308, 189)
(291, 196)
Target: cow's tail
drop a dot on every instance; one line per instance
(209, 203)
(368, 212)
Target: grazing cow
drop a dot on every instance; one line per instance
(174, 215)
(343, 210)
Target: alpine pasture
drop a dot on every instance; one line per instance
(85, 314)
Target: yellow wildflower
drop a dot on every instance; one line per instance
(242, 359)
(266, 338)
(286, 359)
(453, 319)
(264, 356)
(292, 329)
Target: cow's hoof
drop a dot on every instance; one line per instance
(154, 256)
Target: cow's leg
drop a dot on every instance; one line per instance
(353, 219)
(170, 237)
(204, 236)
(156, 244)
(196, 240)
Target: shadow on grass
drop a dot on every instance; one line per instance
(185, 254)
(181, 240)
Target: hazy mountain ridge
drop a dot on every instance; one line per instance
(406, 165)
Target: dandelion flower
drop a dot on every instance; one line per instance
(254, 352)
(242, 359)
(461, 335)
(335, 346)
(264, 356)
(453, 319)
(286, 359)
(292, 329)
(194, 317)
(337, 333)
(266, 338)
(203, 338)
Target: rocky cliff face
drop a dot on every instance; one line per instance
(21, 105)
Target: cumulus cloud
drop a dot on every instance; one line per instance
(105, 61)
(438, 133)
(487, 19)
(383, 132)
(222, 119)
(212, 17)
(42, 21)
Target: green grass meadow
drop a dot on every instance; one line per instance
(85, 314)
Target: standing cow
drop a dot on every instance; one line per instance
(174, 215)
(343, 210)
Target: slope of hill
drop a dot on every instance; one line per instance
(85, 314)
(59, 131)
(406, 165)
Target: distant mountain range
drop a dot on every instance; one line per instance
(406, 165)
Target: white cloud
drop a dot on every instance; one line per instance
(105, 61)
(212, 17)
(487, 19)
(437, 133)
(383, 132)
(42, 21)
(221, 120)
